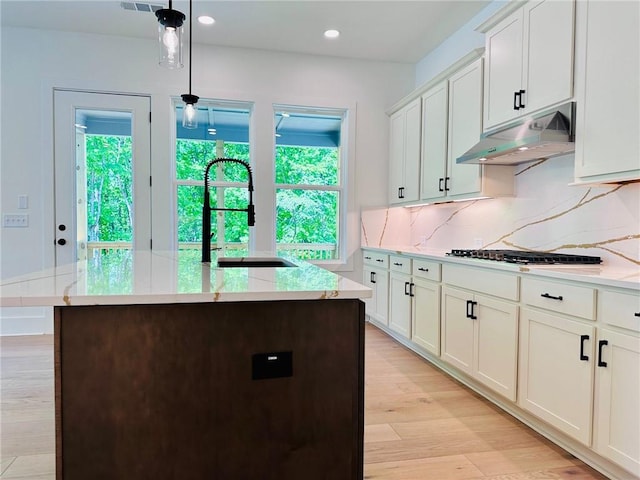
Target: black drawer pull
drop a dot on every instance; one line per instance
(397, 264)
(367, 258)
(583, 357)
(411, 293)
(426, 270)
(637, 314)
(379, 260)
(407, 287)
(601, 344)
(546, 295)
(373, 277)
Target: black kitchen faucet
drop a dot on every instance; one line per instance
(206, 207)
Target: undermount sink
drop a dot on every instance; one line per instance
(226, 262)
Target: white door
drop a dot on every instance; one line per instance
(102, 162)
(426, 315)
(400, 303)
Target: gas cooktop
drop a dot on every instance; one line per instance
(527, 258)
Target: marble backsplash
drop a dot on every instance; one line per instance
(546, 214)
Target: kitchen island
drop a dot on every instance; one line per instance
(168, 368)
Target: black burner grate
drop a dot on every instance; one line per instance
(522, 257)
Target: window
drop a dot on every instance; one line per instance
(223, 131)
(309, 182)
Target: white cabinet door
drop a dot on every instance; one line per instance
(465, 127)
(607, 124)
(617, 415)
(435, 109)
(396, 155)
(457, 329)
(404, 153)
(504, 69)
(547, 53)
(555, 380)
(413, 127)
(377, 280)
(496, 352)
(400, 303)
(425, 315)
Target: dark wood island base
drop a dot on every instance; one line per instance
(230, 390)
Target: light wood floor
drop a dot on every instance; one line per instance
(420, 424)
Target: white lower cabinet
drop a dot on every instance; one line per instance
(425, 315)
(480, 337)
(376, 276)
(400, 295)
(556, 371)
(617, 392)
(414, 301)
(617, 415)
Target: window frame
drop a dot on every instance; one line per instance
(343, 187)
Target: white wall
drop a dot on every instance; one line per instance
(35, 61)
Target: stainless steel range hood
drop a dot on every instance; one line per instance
(544, 135)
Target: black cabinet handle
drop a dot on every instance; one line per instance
(601, 344)
(583, 357)
(515, 101)
(406, 288)
(401, 192)
(411, 292)
(440, 189)
(373, 277)
(367, 258)
(379, 260)
(521, 93)
(62, 241)
(397, 264)
(546, 295)
(470, 305)
(426, 270)
(637, 314)
(446, 184)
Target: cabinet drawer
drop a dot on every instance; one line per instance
(376, 259)
(620, 309)
(480, 280)
(573, 300)
(426, 269)
(400, 264)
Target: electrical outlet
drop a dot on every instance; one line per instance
(10, 220)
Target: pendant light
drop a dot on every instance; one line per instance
(190, 113)
(170, 36)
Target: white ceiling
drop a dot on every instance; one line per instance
(392, 30)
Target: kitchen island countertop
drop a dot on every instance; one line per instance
(145, 277)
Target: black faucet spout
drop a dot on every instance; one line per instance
(206, 207)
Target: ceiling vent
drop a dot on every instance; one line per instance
(140, 6)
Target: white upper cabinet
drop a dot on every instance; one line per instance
(607, 91)
(404, 153)
(451, 125)
(435, 112)
(529, 61)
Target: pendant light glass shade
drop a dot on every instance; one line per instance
(170, 32)
(190, 112)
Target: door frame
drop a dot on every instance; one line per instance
(141, 128)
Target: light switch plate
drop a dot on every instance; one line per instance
(11, 220)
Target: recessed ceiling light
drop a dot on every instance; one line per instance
(332, 34)
(206, 20)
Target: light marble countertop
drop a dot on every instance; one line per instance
(144, 277)
(600, 275)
